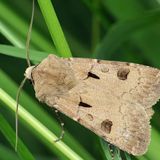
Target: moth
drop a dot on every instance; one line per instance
(112, 99)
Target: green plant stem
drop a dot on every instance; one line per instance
(54, 28)
(39, 127)
(95, 26)
(9, 133)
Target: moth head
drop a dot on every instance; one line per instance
(28, 72)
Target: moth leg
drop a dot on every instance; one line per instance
(110, 146)
(62, 127)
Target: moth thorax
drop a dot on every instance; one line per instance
(28, 72)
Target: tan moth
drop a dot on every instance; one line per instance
(112, 99)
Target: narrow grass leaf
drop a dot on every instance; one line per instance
(103, 20)
(13, 19)
(106, 149)
(8, 50)
(44, 132)
(122, 30)
(95, 26)
(11, 35)
(108, 154)
(152, 150)
(127, 157)
(142, 158)
(119, 10)
(54, 28)
(7, 154)
(8, 132)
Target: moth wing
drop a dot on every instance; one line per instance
(121, 123)
(124, 127)
(113, 99)
(142, 83)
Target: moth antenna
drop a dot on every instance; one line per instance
(29, 36)
(16, 113)
(24, 80)
(62, 127)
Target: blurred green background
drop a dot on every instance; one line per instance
(126, 30)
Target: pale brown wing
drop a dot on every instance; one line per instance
(123, 124)
(113, 99)
(131, 82)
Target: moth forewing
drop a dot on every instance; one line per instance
(113, 99)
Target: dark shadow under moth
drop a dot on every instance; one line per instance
(112, 99)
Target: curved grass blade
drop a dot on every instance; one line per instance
(8, 132)
(54, 28)
(102, 18)
(9, 27)
(119, 10)
(121, 31)
(142, 158)
(107, 153)
(154, 145)
(45, 134)
(127, 157)
(7, 154)
(11, 35)
(36, 56)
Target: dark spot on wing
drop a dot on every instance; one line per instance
(106, 126)
(123, 73)
(92, 75)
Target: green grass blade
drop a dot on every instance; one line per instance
(145, 41)
(8, 132)
(95, 26)
(46, 134)
(105, 149)
(101, 18)
(8, 27)
(152, 152)
(116, 152)
(107, 153)
(54, 28)
(119, 9)
(154, 145)
(21, 53)
(127, 157)
(142, 158)
(11, 35)
(121, 31)
(7, 154)
(35, 56)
